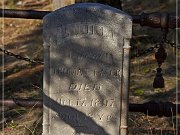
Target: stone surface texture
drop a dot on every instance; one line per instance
(84, 53)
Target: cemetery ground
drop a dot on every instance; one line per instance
(24, 80)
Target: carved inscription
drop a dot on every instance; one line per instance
(103, 57)
(108, 73)
(78, 118)
(84, 29)
(81, 71)
(87, 102)
(67, 71)
(84, 87)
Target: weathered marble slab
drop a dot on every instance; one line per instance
(84, 68)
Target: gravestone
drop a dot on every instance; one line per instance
(86, 70)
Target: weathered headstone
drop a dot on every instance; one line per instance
(86, 74)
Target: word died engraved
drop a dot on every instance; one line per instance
(84, 87)
(80, 29)
(87, 102)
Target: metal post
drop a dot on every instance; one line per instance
(125, 89)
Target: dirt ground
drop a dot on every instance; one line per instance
(24, 80)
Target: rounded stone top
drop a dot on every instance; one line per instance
(91, 7)
(93, 13)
